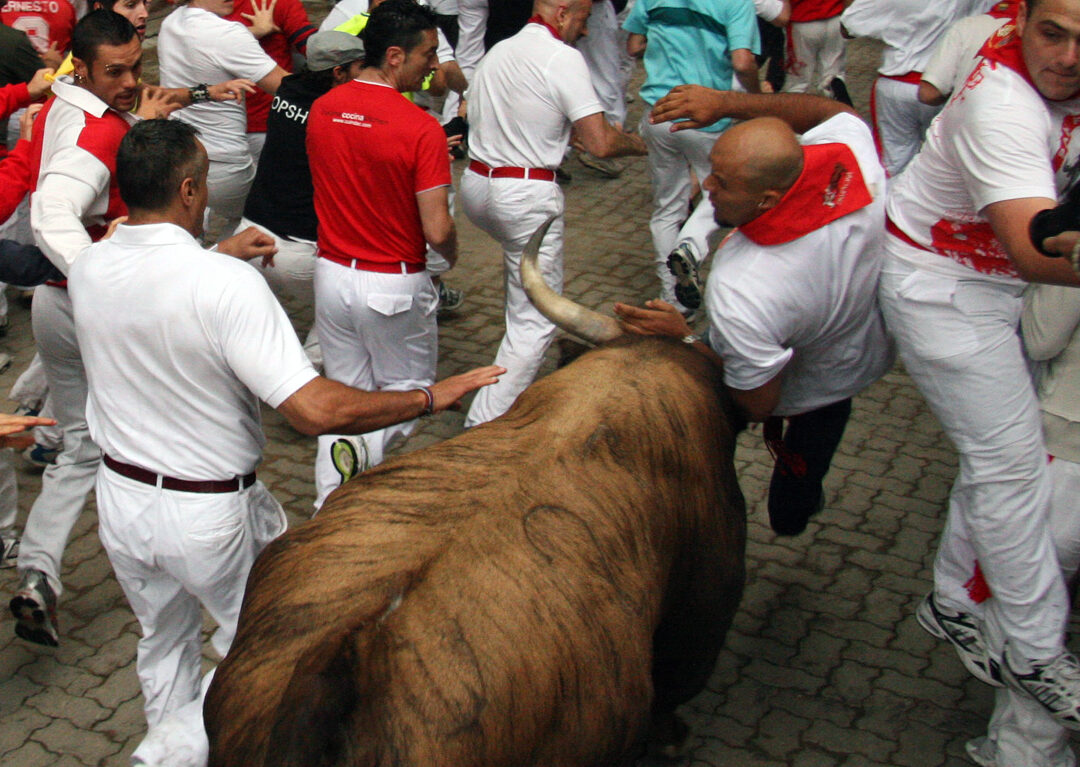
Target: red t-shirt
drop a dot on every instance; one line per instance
(43, 21)
(371, 152)
(296, 28)
(815, 10)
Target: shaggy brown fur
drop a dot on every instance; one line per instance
(523, 594)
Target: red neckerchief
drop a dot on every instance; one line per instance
(554, 32)
(830, 186)
(1006, 9)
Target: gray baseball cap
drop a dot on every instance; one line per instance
(326, 50)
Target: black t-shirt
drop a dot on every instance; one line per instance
(281, 197)
(18, 59)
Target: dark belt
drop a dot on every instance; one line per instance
(385, 267)
(536, 174)
(148, 477)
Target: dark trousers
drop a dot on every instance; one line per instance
(803, 455)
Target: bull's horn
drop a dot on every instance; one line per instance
(571, 317)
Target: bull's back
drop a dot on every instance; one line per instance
(491, 600)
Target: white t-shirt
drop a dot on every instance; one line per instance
(809, 306)
(524, 97)
(179, 344)
(996, 140)
(957, 52)
(196, 46)
(909, 28)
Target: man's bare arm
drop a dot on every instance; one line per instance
(745, 65)
(702, 106)
(437, 223)
(600, 138)
(322, 406)
(1010, 220)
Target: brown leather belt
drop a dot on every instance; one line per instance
(536, 174)
(148, 477)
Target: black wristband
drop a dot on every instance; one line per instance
(1053, 221)
(199, 93)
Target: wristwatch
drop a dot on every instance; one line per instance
(199, 93)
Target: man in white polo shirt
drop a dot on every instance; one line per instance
(175, 382)
(528, 92)
(197, 45)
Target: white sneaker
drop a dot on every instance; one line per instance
(1054, 683)
(964, 632)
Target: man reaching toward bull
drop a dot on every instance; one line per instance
(792, 300)
(181, 514)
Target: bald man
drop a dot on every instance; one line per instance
(791, 299)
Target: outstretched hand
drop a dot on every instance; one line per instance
(13, 426)
(696, 105)
(231, 90)
(656, 318)
(261, 22)
(449, 391)
(156, 103)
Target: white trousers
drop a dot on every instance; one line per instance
(378, 332)
(1021, 733)
(959, 343)
(511, 210)
(816, 53)
(604, 48)
(900, 122)
(9, 496)
(472, 25)
(229, 183)
(175, 553)
(292, 275)
(671, 157)
(64, 484)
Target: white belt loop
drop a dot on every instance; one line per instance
(404, 267)
(158, 480)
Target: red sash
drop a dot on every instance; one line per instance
(1003, 48)
(830, 187)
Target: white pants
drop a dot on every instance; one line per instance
(64, 484)
(900, 121)
(256, 141)
(671, 156)
(292, 275)
(959, 343)
(604, 48)
(472, 25)
(174, 553)
(9, 496)
(229, 183)
(815, 56)
(511, 210)
(378, 332)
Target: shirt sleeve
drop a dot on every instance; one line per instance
(768, 10)
(1000, 145)
(258, 341)
(66, 190)
(944, 65)
(14, 178)
(742, 28)
(241, 55)
(572, 85)
(432, 159)
(13, 97)
(752, 354)
(294, 23)
(637, 20)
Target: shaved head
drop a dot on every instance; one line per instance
(754, 163)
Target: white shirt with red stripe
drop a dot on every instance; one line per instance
(73, 157)
(523, 98)
(796, 291)
(910, 29)
(998, 139)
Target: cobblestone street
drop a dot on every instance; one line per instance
(825, 665)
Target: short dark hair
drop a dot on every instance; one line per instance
(99, 28)
(399, 23)
(154, 157)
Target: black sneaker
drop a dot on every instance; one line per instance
(34, 607)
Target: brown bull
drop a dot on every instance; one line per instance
(531, 592)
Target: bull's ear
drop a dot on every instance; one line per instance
(310, 722)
